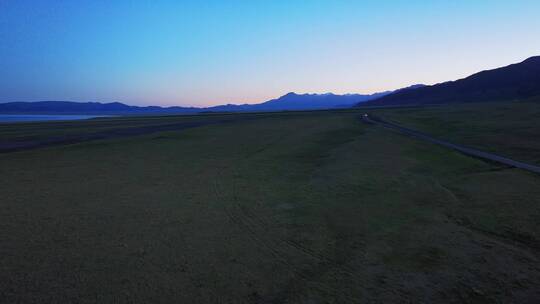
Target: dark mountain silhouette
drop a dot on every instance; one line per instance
(290, 101)
(317, 101)
(293, 101)
(70, 107)
(513, 82)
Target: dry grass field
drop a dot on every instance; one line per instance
(311, 207)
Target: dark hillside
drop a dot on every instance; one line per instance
(516, 81)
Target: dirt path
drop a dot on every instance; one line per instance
(465, 150)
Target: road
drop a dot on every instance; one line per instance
(465, 150)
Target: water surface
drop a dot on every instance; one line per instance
(11, 118)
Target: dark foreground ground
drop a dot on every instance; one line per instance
(279, 208)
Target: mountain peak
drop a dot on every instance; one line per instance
(534, 59)
(290, 94)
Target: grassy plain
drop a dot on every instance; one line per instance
(511, 129)
(283, 208)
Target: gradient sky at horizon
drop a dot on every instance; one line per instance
(199, 53)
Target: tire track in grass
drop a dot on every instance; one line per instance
(306, 250)
(524, 248)
(248, 214)
(241, 219)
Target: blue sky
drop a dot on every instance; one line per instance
(212, 52)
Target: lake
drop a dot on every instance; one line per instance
(12, 118)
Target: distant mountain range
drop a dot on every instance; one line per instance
(290, 101)
(71, 107)
(293, 101)
(513, 82)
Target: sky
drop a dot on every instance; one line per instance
(201, 53)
